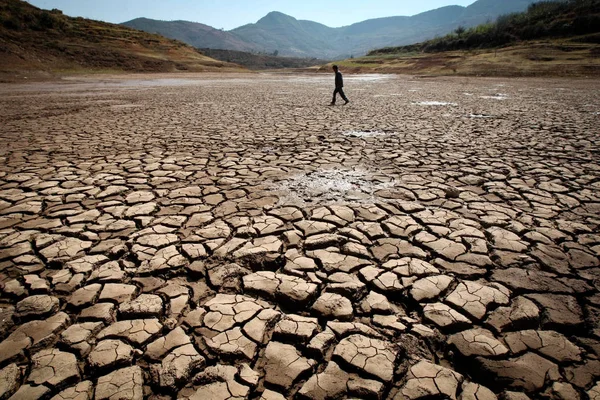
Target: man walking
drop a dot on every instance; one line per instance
(339, 86)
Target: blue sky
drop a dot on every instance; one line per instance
(230, 14)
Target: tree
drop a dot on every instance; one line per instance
(276, 53)
(460, 30)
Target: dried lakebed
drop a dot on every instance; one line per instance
(232, 237)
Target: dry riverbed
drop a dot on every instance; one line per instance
(233, 237)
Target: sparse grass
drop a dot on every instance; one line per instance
(87, 71)
(393, 56)
(358, 63)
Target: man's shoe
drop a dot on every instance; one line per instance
(332, 104)
(347, 101)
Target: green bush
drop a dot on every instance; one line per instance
(12, 23)
(46, 20)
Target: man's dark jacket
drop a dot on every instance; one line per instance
(339, 81)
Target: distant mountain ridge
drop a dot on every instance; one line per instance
(288, 36)
(192, 33)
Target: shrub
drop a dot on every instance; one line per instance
(12, 23)
(46, 20)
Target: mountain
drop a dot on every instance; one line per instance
(287, 35)
(488, 10)
(574, 20)
(300, 38)
(193, 33)
(493, 8)
(400, 30)
(32, 39)
(552, 38)
(276, 30)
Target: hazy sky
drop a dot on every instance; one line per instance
(230, 14)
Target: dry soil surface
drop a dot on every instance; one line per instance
(233, 237)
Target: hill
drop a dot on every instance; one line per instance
(255, 61)
(558, 38)
(547, 19)
(300, 38)
(193, 33)
(289, 36)
(541, 58)
(32, 40)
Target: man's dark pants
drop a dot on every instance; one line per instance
(341, 92)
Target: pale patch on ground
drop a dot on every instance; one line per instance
(435, 103)
(364, 134)
(498, 96)
(330, 187)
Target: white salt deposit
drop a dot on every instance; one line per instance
(435, 103)
(331, 186)
(498, 96)
(368, 77)
(364, 134)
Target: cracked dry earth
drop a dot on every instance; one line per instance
(230, 237)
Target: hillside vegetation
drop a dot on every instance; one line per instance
(255, 61)
(543, 20)
(34, 40)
